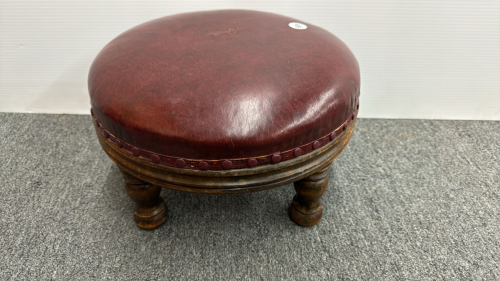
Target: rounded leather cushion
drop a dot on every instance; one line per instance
(223, 84)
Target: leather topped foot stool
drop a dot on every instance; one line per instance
(224, 102)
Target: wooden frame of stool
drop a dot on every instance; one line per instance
(309, 173)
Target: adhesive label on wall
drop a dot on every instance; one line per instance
(297, 25)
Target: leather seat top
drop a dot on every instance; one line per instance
(223, 85)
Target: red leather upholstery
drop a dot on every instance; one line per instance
(223, 85)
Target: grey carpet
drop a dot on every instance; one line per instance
(408, 199)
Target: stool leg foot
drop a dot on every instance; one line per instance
(150, 210)
(307, 208)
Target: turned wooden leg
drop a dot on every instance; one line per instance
(150, 210)
(306, 208)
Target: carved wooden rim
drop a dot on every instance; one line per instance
(228, 181)
(223, 164)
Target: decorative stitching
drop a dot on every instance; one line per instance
(223, 164)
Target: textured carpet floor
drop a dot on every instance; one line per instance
(408, 199)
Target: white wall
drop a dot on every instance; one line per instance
(419, 59)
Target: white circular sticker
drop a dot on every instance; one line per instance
(297, 25)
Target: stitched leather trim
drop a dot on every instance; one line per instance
(224, 164)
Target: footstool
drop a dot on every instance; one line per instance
(226, 101)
